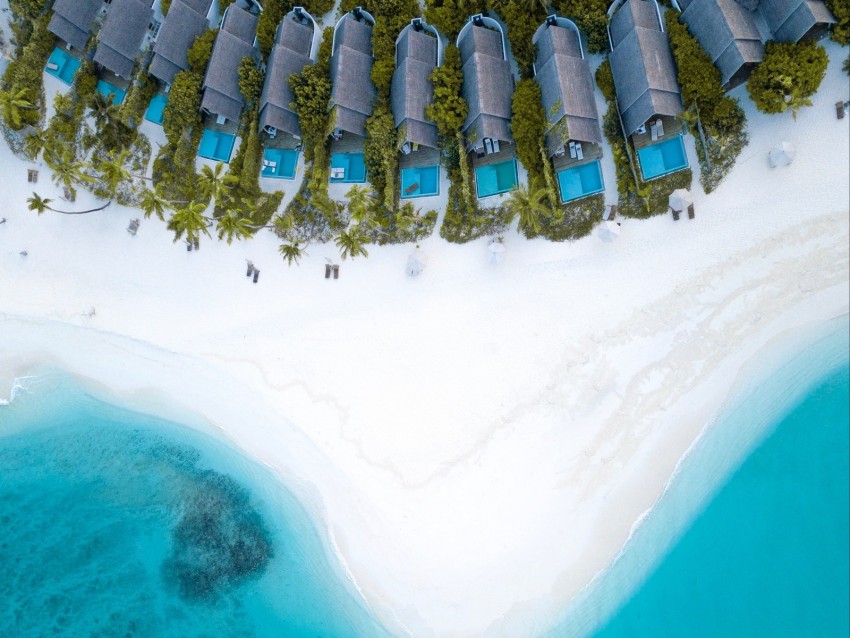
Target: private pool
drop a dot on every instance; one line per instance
(279, 163)
(348, 167)
(106, 89)
(496, 178)
(580, 181)
(62, 65)
(662, 158)
(156, 108)
(420, 182)
(216, 145)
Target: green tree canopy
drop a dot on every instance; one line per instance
(449, 109)
(788, 76)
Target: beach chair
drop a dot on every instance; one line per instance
(496, 146)
(52, 66)
(250, 268)
(572, 150)
(336, 271)
(659, 128)
(579, 152)
(328, 271)
(653, 133)
(613, 214)
(256, 275)
(197, 244)
(691, 213)
(676, 214)
(68, 194)
(412, 188)
(32, 175)
(839, 110)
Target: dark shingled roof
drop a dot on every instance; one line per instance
(634, 13)
(566, 87)
(642, 66)
(488, 86)
(201, 6)
(790, 20)
(289, 55)
(72, 20)
(727, 32)
(412, 90)
(221, 82)
(182, 25)
(122, 34)
(352, 90)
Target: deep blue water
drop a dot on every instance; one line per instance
(117, 524)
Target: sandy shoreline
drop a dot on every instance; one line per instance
(479, 441)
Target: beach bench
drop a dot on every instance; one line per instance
(839, 110)
(676, 214)
(691, 213)
(412, 188)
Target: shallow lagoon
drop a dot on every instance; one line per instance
(115, 523)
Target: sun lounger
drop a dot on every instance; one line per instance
(659, 128)
(250, 269)
(328, 271)
(256, 275)
(676, 214)
(412, 188)
(496, 146)
(68, 194)
(32, 175)
(653, 133)
(336, 271)
(572, 150)
(579, 152)
(52, 66)
(839, 110)
(691, 213)
(197, 243)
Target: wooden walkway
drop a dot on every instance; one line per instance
(348, 144)
(591, 152)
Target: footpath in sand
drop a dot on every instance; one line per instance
(480, 440)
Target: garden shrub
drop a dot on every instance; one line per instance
(591, 17)
(788, 76)
(841, 29)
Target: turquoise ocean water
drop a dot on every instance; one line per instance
(117, 524)
(767, 552)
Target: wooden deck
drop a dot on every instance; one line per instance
(231, 128)
(506, 152)
(348, 144)
(591, 152)
(282, 141)
(114, 80)
(425, 156)
(672, 127)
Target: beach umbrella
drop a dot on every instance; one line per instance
(781, 155)
(416, 263)
(609, 230)
(496, 252)
(680, 199)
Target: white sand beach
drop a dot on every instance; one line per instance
(480, 440)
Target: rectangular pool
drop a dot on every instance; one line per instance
(421, 181)
(65, 64)
(494, 179)
(156, 108)
(662, 158)
(580, 181)
(106, 89)
(279, 163)
(352, 165)
(216, 145)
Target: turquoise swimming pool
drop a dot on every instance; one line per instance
(350, 166)
(106, 89)
(662, 158)
(62, 65)
(279, 163)
(496, 178)
(420, 182)
(580, 181)
(216, 145)
(156, 108)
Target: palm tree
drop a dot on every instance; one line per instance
(68, 171)
(292, 252)
(190, 221)
(213, 182)
(40, 204)
(231, 225)
(527, 205)
(12, 104)
(34, 144)
(102, 110)
(350, 242)
(153, 203)
(358, 203)
(113, 171)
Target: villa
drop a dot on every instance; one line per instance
(488, 87)
(648, 96)
(352, 94)
(235, 41)
(72, 21)
(573, 138)
(292, 51)
(186, 20)
(121, 36)
(418, 53)
(733, 32)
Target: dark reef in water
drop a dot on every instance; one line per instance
(219, 542)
